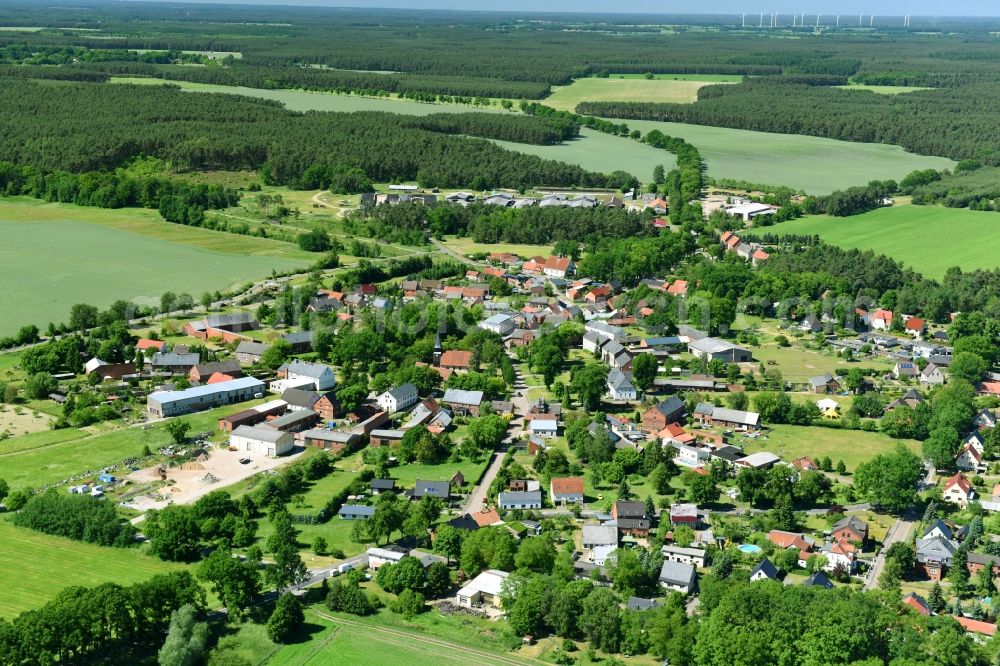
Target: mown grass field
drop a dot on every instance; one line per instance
(852, 446)
(633, 89)
(809, 163)
(35, 566)
(882, 90)
(56, 255)
(930, 239)
(468, 246)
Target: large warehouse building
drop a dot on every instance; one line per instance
(196, 398)
(263, 441)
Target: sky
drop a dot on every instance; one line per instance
(810, 7)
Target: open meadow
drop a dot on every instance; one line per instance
(56, 255)
(35, 566)
(852, 446)
(812, 164)
(633, 89)
(912, 235)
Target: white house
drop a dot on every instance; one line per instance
(398, 398)
(322, 375)
(958, 490)
(677, 576)
(599, 555)
(838, 554)
(264, 441)
(932, 374)
(695, 556)
(970, 459)
(502, 324)
(526, 499)
(544, 428)
(483, 589)
(620, 386)
(379, 556)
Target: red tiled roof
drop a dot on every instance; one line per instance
(567, 485)
(885, 315)
(977, 626)
(915, 602)
(456, 358)
(788, 540)
(486, 518)
(960, 480)
(760, 255)
(678, 288)
(557, 263)
(145, 343)
(915, 324)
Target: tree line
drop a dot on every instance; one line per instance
(85, 127)
(90, 623)
(77, 517)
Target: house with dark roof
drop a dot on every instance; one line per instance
(678, 577)
(382, 485)
(398, 398)
(528, 499)
(641, 604)
(657, 418)
(764, 570)
(356, 512)
(250, 351)
(852, 529)
(439, 489)
(818, 579)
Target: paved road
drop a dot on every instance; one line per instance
(898, 531)
(475, 500)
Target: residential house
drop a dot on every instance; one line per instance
(566, 490)
(520, 500)
(851, 529)
(620, 386)
(388, 555)
(322, 375)
(880, 320)
(301, 341)
(657, 418)
(984, 419)
(976, 626)
(382, 485)
(932, 375)
(818, 579)
(398, 398)
(678, 577)
(970, 459)
(796, 540)
(839, 554)
(558, 267)
(804, 464)
(439, 489)
(759, 460)
(298, 399)
(695, 556)
(915, 326)
(764, 570)
(600, 535)
(640, 604)
(630, 518)
(905, 370)
(174, 363)
(958, 489)
(917, 603)
(934, 555)
(356, 512)
(544, 428)
(482, 590)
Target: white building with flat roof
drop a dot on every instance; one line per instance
(263, 441)
(483, 589)
(207, 396)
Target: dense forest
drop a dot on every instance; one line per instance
(922, 122)
(98, 127)
(406, 223)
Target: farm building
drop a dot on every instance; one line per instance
(716, 349)
(386, 437)
(398, 398)
(334, 440)
(463, 402)
(253, 416)
(501, 324)
(321, 375)
(264, 441)
(250, 351)
(296, 421)
(172, 403)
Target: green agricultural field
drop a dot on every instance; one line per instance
(703, 78)
(633, 89)
(912, 235)
(798, 365)
(35, 566)
(810, 163)
(852, 446)
(883, 90)
(55, 255)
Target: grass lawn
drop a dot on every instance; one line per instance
(912, 235)
(35, 566)
(852, 446)
(635, 89)
(703, 78)
(469, 246)
(798, 365)
(96, 256)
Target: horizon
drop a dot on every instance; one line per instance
(918, 9)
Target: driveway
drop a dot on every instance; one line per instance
(899, 531)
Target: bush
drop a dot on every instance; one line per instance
(408, 603)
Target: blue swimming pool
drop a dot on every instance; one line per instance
(749, 548)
